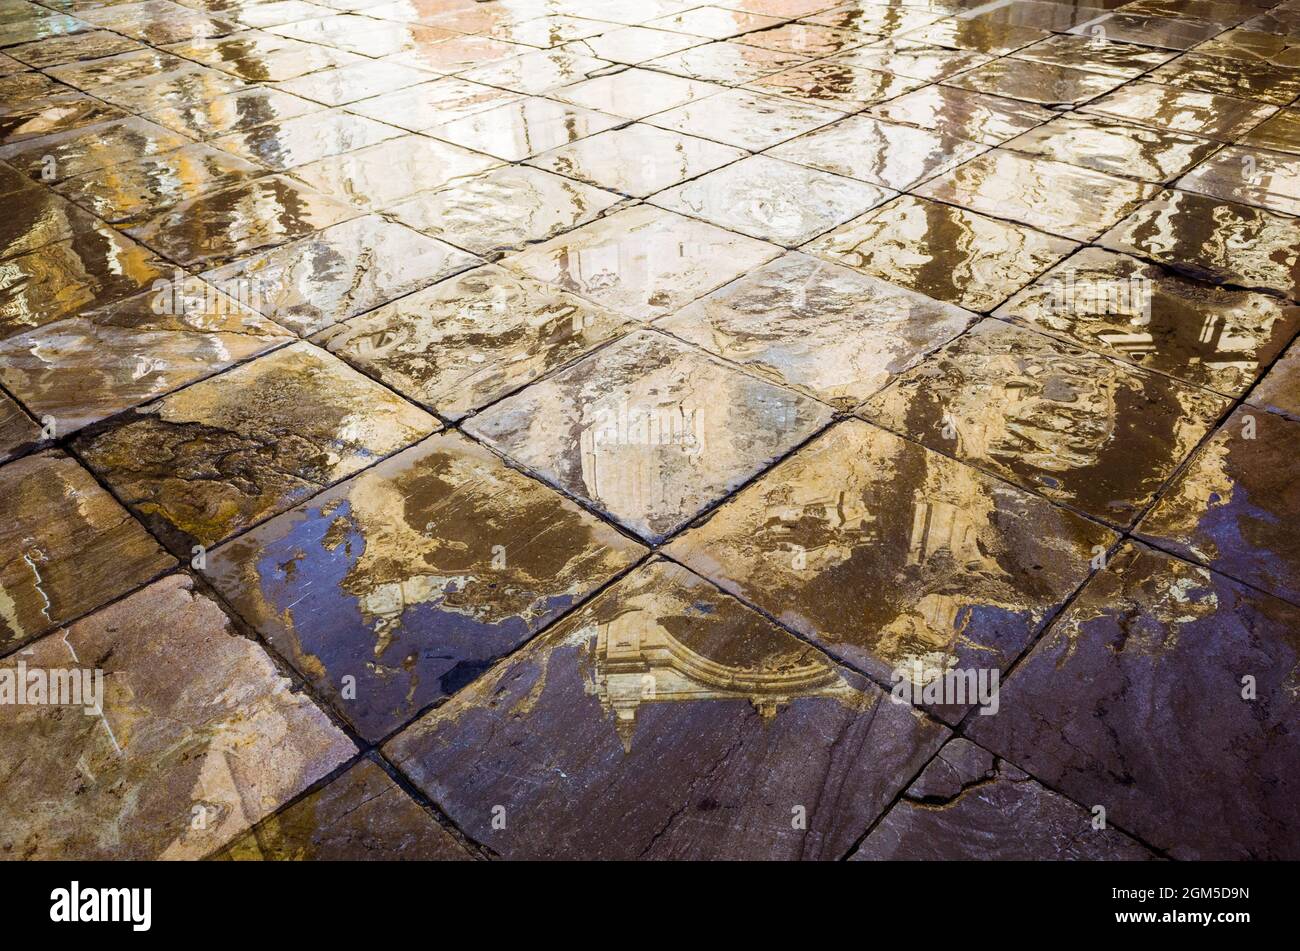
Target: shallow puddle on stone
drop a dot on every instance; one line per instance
(963, 114)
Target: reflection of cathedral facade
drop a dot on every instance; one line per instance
(638, 661)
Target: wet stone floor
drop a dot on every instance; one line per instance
(782, 429)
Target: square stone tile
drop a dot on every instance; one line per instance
(638, 159)
(636, 93)
(361, 816)
(969, 805)
(468, 341)
(384, 174)
(1115, 147)
(714, 22)
(1165, 32)
(822, 329)
(57, 50)
(95, 75)
(443, 100)
(1241, 43)
(1096, 55)
(233, 112)
(943, 251)
(457, 55)
(87, 367)
(17, 431)
(1280, 133)
(194, 721)
(536, 72)
(643, 262)
(1279, 391)
(131, 194)
(962, 114)
(64, 278)
(767, 198)
(412, 578)
(1182, 110)
(804, 39)
(836, 85)
(521, 129)
(1216, 240)
(729, 63)
(1046, 84)
(1152, 317)
(1245, 79)
(37, 217)
(901, 57)
(896, 156)
(339, 272)
(1269, 180)
(889, 555)
(746, 119)
(1233, 507)
(503, 209)
(262, 57)
(1151, 644)
(57, 113)
(281, 146)
(676, 715)
(89, 148)
(226, 453)
(982, 36)
(1061, 199)
(188, 85)
(635, 44)
(648, 430)
(548, 32)
(1075, 427)
(344, 84)
(68, 547)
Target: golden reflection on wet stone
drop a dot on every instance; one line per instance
(964, 114)
(1115, 147)
(1182, 110)
(1250, 176)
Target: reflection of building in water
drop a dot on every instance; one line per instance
(639, 661)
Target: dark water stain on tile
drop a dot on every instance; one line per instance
(361, 816)
(195, 721)
(896, 558)
(1151, 645)
(1280, 133)
(399, 587)
(669, 711)
(1076, 427)
(68, 547)
(228, 452)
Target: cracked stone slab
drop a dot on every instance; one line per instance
(889, 555)
(466, 342)
(963, 114)
(1152, 317)
(83, 369)
(1115, 147)
(648, 430)
(360, 816)
(1151, 645)
(969, 805)
(1061, 199)
(1182, 110)
(221, 455)
(670, 712)
(1070, 424)
(68, 546)
(943, 251)
(1215, 240)
(825, 330)
(634, 44)
(198, 737)
(1234, 507)
(882, 153)
(339, 272)
(503, 209)
(643, 262)
(772, 199)
(399, 587)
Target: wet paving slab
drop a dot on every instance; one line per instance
(726, 62)
(745, 119)
(233, 112)
(361, 815)
(52, 158)
(1095, 55)
(894, 557)
(943, 251)
(636, 93)
(1151, 641)
(1279, 391)
(971, 805)
(1116, 147)
(1280, 133)
(421, 107)
(1070, 424)
(964, 114)
(1046, 84)
(536, 72)
(1256, 177)
(668, 709)
(1231, 508)
(285, 145)
(18, 432)
(69, 546)
(194, 721)
(228, 452)
(467, 342)
(1207, 114)
(397, 588)
(903, 57)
